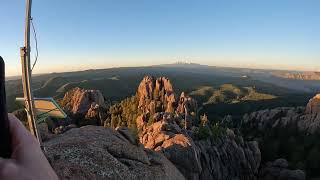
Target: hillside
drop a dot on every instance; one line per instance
(169, 127)
(118, 83)
(228, 93)
(229, 99)
(299, 75)
(158, 120)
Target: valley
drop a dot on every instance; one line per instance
(118, 83)
(256, 128)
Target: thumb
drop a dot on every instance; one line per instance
(2, 162)
(7, 168)
(19, 134)
(24, 145)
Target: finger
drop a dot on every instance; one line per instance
(24, 144)
(19, 134)
(2, 161)
(7, 168)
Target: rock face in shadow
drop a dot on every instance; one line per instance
(306, 120)
(270, 127)
(271, 118)
(279, 170)
(293, 130)
(223, 158)
(228, 159)
(93, 152)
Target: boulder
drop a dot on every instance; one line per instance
(45, 134)
(126, 132)
(92, 152)
(62, 129)
(280, 163)
(292, 175)
(167, 137)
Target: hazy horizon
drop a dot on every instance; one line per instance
(84, 35)
(66, 70)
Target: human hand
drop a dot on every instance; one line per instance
(27, 160)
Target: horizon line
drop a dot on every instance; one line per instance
(176, 63)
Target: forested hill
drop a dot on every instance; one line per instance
(119, 83)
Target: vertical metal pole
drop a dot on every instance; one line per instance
(26, 76)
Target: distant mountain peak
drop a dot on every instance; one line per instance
(182, 64)
(186, 63)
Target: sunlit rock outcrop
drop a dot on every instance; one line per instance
(93, 152)
(85, 106)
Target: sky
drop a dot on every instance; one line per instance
(86, 34)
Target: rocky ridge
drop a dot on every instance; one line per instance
(171, 138)
(167, 135)
(299, 129)
(228, 157)
(299, 75)
(306, 120)
(173, 133)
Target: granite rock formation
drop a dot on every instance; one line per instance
(93, 152)
(294, 130)
(173, 132)
(306, 120)
(85, 107)
(167, 148)
(156, 95)
(224, 158)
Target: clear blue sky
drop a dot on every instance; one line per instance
(86, 34)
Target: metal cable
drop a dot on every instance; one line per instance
(36, 42)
